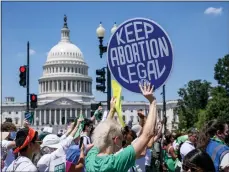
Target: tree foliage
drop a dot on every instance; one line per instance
(193, 97)
(199, 102)
(222, 72)
(202, 117)
(218, 105)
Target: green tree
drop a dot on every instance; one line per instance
(222, 72)
(218, 105)
(202, 117)
(193, 97)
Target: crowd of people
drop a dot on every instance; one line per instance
(107, 146)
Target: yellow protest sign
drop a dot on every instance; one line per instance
(117, 91)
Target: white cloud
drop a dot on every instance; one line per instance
(213, 11)
(32, 52)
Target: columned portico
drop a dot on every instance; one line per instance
(59, 111)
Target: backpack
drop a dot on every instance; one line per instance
(178, 152)
(81, 140)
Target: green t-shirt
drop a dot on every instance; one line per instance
(120, 162)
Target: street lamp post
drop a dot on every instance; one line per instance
(164, 109)
(100, 31)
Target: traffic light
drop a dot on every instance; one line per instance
(100, 80)
(22, 76)
(33, 101)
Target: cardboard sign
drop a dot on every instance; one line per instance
(140, 51)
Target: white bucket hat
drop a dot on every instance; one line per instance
(137, 129)
(51, 141)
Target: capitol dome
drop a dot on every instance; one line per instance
(65, 50)
(65, 73)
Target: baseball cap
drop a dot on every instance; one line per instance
(51, 141)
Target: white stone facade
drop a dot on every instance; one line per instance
(52, 113)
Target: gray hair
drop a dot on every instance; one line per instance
(105, 132)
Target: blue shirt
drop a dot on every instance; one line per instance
(73, 154)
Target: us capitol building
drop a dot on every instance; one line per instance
(65, 91)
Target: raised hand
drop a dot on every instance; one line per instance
(141, 114)
(112, 103)
(147, 91)
(100, 108)
(79, 120)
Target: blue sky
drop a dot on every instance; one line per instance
(199, 37)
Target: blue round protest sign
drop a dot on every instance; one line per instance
(140, 50)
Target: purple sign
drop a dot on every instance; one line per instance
(140, 51)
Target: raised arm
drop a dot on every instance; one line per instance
(112, 110)
(159, 132)
(142, 117)
(156, 137)
(149, 127)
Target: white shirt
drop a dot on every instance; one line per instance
(186, 147)
(86, 141)
(225, 161)
(22, 164)
(10, 156)
(56, 158)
